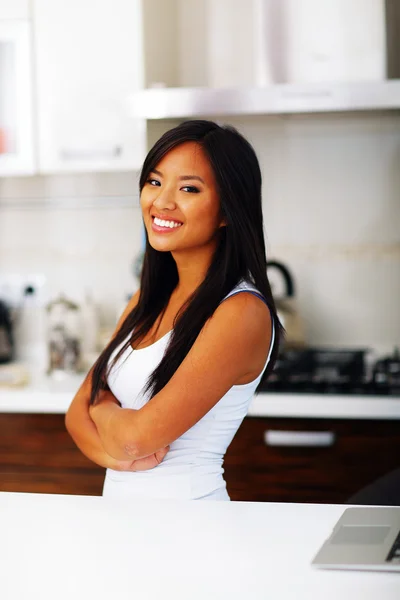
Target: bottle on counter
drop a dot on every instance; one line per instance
(31, 332)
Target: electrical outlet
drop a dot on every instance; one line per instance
(13, 285)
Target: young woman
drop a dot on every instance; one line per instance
(163, 401)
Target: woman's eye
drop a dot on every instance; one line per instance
(154, 182)
(191, 189)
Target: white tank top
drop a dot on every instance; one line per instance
(192, 469)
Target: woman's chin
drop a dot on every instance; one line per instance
(160, 246)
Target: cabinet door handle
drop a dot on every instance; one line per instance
(315, 439)
(90, 153)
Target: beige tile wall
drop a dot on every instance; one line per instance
(331, 209)
(81, 231)
(332, 214)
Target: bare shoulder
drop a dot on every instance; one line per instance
(241, 328)
(134, 299)
(129, 307)
(246, 312)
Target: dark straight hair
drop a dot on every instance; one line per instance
(240, 254)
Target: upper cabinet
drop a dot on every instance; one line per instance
(14, 9)
(89, 58)
(241, 57)
(80, 78)
(16, 105)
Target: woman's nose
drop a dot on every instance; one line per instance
(164, 199)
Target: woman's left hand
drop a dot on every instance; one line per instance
(143, 464)
(101, 413)
(110, 421)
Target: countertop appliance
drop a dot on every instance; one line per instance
(333, 371)
(386, 372)
(64, 336)
(286, 307)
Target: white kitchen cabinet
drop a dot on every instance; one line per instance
(16, 102)
(89, 58)
(14, 9)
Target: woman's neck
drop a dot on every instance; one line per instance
(192, 270)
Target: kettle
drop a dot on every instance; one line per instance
(287, 311)
(6, 334)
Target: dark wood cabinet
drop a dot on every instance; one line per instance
(38, 455)
(356, 453)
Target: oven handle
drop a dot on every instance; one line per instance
(310, 439)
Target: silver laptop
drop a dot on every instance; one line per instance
(366, 538)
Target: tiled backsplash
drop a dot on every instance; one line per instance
(81, 231)
(331, 210)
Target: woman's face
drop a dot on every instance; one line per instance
(180, 203)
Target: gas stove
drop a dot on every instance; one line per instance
(334, 371)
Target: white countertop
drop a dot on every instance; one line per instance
(57, 546)
(46, 395)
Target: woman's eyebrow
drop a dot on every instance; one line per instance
(187, 177)
(182, 178)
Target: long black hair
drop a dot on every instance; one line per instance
(240, 254)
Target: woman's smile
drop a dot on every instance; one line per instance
(165, 225)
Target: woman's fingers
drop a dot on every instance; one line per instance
(146, 463)
(160, 454)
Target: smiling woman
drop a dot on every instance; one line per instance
(180, 198)
(165, 398)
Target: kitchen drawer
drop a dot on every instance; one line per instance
(38, 455)
(36, 440)
(309, 460)
(52, 481)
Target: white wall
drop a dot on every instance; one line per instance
(331, 209)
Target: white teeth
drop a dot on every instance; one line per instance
(162, 223)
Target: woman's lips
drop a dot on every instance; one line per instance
(160, 229)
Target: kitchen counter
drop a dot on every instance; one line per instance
(58, 546)
(50, 396)
(45, 395)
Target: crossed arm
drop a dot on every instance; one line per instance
(222, 356)
(86, 435)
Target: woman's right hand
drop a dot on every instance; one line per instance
(142, 464)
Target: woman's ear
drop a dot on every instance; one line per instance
(222, 223)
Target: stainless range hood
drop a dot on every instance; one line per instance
(167, 103)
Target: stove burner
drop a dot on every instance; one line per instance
(332, 371)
